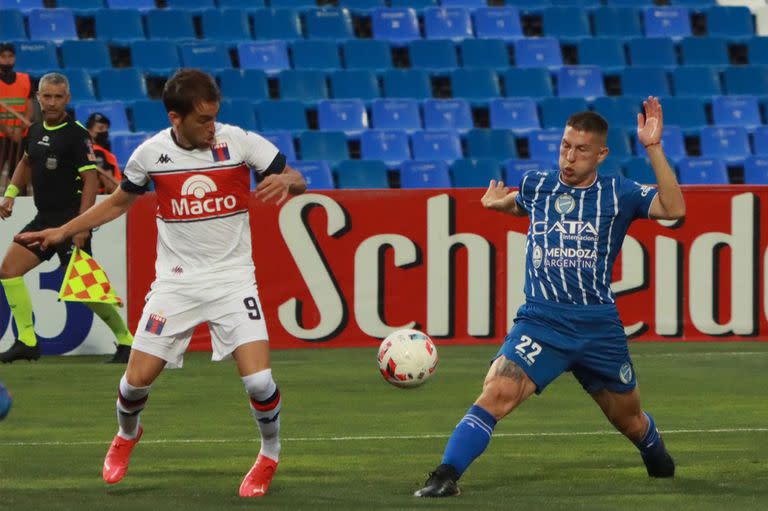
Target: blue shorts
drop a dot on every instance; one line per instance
(549, 338)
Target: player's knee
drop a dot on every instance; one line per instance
(260, 385)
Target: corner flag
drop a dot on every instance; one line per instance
(86, 281)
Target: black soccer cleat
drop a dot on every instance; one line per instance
(660, 466)
(441, 483)
(121, 355)
(20, 351)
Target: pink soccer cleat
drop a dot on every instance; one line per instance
(118, 456)
(257, 479)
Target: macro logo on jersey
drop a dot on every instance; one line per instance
(564, 204)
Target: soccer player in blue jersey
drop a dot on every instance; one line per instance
(578, 220)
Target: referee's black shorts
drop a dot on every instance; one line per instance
(46, 220)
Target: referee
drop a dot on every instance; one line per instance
(60, 163)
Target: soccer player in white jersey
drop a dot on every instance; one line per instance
(204, 268)
(578, 220)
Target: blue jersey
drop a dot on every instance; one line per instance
(575, 234)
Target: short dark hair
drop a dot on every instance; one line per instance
(97, 117)
(7, 47)
(187, 88)
(590, 122)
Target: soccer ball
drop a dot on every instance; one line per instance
(407, 358)
(5, 402)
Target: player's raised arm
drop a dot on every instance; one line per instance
(499, 198)
(669, 204)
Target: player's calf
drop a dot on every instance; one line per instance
(265, 406)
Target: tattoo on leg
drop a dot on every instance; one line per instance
(509, 369)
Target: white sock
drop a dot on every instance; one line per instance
(265, 405)
(130, 401)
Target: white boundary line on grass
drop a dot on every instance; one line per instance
(382, 437)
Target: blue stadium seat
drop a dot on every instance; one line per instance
(397, 25)
(315, 55)
(362, 6)
(424, 174)
(757, 50)
(281, 115)
(616, 22)
(760, 139)
(556, 111)
(688, 113)
(36, 56)
(436, 145)
(544, 145)
(701, 81)
(611, 166)
(172, 24)
(565, 23)
(367, 54)
(244, 84)
(396, 114)
(271, 24)
(657, 52)
(730, 144)
(756, 170)
(347, 115)
(328, 24)
(389, 146)
(704, 51)
(317, 174)
(355, 83)
(538, 52)
(269, 56)
(81, 7)
(114, 110)
(125, 84)
(671, 140)
(80, 85)
(497, 144)
(330, 146)
(484, 53)
(433, 55)
(225, 25)
(639, 170)
(474, 173)
(406, 83)
(447, 114)
(283, 140)
(155, 57)
(644, 82)
(452, 23)
(606, 52)
(518, 114)
(302, 84)
(702, 171)
(530, 82)
(475, 84)
(694, 4)
(515, 169)
(238, 112)
(580, 81)
(241, 4)
(149, 115)
(620, 111)
(12, 25)
(119, 25)
(732, 21)
(190, 5)
(736, 111)
(140, 5)
(293, 4)
(752, 80)
(212, 57)
(88, 55)
(497, 23)
(469, 4)
(618, 143)
(586, 4)
(23, 5)
(357, 174)
(123, 145)
(419, 5)
(672, 22)
(51, 24)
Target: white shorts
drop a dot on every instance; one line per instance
(171, 313)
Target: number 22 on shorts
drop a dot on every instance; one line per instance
(528, 349)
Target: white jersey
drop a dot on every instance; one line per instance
(202, 202)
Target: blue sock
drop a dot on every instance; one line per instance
(651, 444)
(469, 439)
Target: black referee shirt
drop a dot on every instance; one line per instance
(57, 155)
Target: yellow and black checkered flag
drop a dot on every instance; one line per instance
(86, 281)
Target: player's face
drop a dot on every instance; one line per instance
(53, 101)
(197, 128)
(580, 154)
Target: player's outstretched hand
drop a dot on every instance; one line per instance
(650, 123)
(274, 185)
(6, 207)
(497, 196)
(45, 239)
